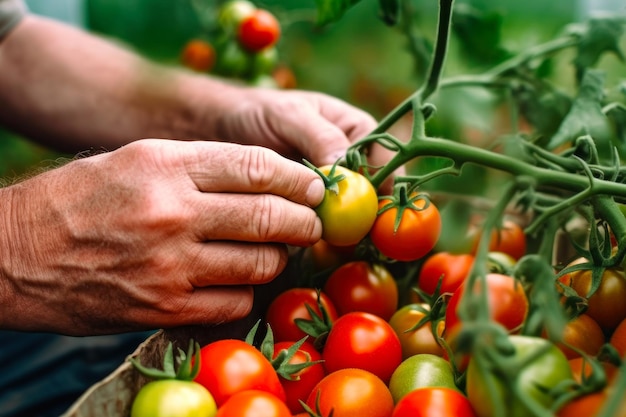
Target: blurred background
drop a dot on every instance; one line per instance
(358, 59)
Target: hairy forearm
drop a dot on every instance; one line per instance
(72, 90)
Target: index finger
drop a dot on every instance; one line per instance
(227, 167)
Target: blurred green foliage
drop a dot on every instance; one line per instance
(358, 59)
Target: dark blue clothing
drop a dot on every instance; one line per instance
(42, 375)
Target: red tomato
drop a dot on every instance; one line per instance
(415, 236)
(198, 55)
(421, 339)
(259, 30)
(507, 302)
(363, 286)
(303, 381)
(434, 402)
(582, 333)
(450, 268)
(365, 341)
(229, 366)
(590, 405)
(618, 338)
(509, 239)
(606, 306)
(580, 367)
(325, 256)
(290, 305)
(253, 403)
(349, 393)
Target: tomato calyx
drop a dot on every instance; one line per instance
(281, 361)
(188, 364)
(317, 412)
(318, 326)
(331, 180)
(404, 199)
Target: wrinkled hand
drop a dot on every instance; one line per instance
(298, 124)
(155, 234)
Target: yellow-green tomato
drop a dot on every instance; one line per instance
(421, 371)
(173, 398)
(348, 212)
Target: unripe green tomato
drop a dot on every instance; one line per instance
(421, 371)
(542, 366)
(173, 398)
(232, 60)
(232, 13)
(264, 62)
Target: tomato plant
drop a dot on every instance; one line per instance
(434, 402)
(259, 30)
(173, 393)
(290, 305)
(351, 392)
(449, 268)
(406, 229)
(300, 386)
(365, 341)
(413, 338)
(420, 371)
(363, 286)
(606, 305)
(229, 366)
(534, 368)
(253, 403)
(349, 206)
(233, 12)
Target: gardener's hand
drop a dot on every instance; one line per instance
(156, 234)
(298, 124)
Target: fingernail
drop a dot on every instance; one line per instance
(315, 193)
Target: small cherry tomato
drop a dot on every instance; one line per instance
(290, 305)
(198, 55)
(541, 366)
(363, 286)
(259, 30)
(450, 268)
(173, 398)
(351, 392)
(299, 388)
(347, 212)
(228, 366)
(232, 13)
(420, 371)
(434, 402)
(606, 305)
(416, 233)
(509, 239)
(581, 333)
(416, 340)
(365, 341)
(253, 403)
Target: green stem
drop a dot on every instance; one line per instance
(441, 48)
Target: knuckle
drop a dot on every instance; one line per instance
(267, 218)
(258, 166)
(271, 259)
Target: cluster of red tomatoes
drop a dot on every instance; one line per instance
(242, 46)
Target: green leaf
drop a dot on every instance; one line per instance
(479, 33)
(332, 10)
(585, 116)
(602, 35)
